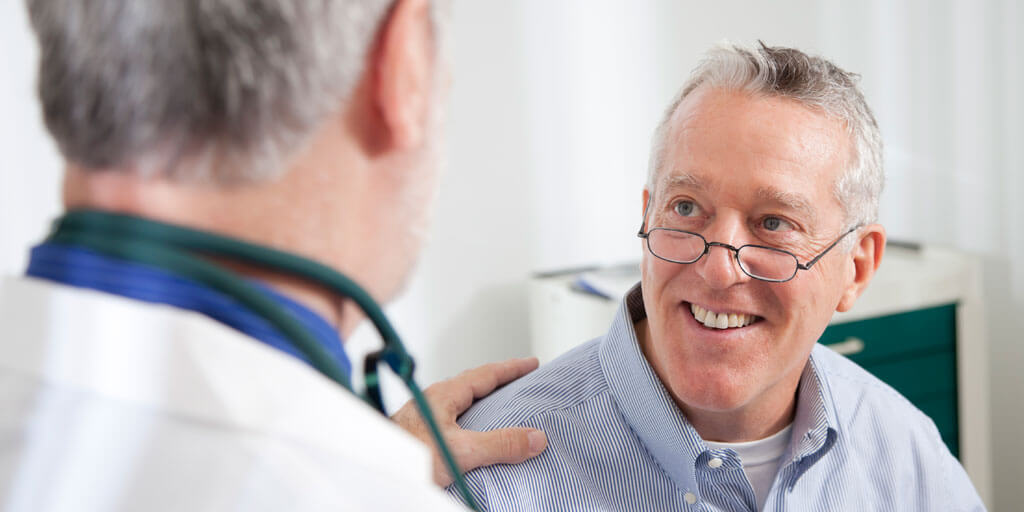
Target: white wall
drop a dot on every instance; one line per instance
(945, 80)
(29, 162)
(552, 107)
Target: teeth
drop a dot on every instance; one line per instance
(720, 320)
(723, 321)
(698, 312)
(711, 320)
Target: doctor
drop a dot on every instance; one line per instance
(134, 376)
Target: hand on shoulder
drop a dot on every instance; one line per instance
(450, 398)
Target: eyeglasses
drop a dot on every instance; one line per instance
(757, 261)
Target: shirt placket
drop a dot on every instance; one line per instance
(812, 447)
(723, 483)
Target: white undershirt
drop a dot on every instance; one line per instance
(760, 460)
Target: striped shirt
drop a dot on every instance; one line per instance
(617, 441)
(83, 268)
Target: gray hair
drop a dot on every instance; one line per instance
(814, 82)
(197, 90)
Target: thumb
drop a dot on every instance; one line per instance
(504, 446)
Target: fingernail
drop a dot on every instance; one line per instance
(537, 441)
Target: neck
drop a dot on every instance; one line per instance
(741, 425)
(761, 417)
(249, 213)
(344, 315)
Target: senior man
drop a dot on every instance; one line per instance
(709, 391)
(155, 356)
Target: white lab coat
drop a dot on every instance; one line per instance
(108, 403)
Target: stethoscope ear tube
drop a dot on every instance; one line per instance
(171, 247)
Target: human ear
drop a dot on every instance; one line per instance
(404, 70)
(643, 212)
(867, 254)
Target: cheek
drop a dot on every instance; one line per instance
(660, 280)
(648, 274)
(417, 199)
(658, 272)
(828, 288)
(807, 305)
(661, 283)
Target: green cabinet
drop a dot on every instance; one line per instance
(915, 353)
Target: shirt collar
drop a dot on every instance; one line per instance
(654, 417)
(815, 425)
(645, 403)
(84, 268)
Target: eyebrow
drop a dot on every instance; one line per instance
(684, 180)
(789, 200)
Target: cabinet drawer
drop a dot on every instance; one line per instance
(942, 409)
(921, 376)
(886, 338)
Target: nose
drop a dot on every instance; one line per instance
(719, 267)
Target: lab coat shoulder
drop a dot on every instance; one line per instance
(115, 404)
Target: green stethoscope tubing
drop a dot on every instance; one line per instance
(174, 248)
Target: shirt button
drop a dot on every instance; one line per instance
(715, 463)
(690, 498)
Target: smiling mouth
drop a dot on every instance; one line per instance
(713, 320)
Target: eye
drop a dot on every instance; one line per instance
(686, 208)
(776, 224)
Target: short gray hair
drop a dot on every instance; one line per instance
(814, 82)
(197, 90)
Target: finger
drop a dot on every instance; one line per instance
(484, 379)
(458, 393)
(504, 446)
(506, 371)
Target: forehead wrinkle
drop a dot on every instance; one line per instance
(789, 200)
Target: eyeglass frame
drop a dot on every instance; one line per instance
(735, 250)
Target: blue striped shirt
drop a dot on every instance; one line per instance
(76, 266)
(617, 441)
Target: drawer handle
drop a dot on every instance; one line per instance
(848, 347)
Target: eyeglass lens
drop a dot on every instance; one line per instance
(758, 262)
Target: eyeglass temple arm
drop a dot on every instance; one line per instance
(643, 223)
(809, 264)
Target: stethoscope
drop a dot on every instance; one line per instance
(176, 249)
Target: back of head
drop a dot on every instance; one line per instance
(196, 90)
(815, 83)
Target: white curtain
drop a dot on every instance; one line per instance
(944, 79)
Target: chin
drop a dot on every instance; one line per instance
(713, 389)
